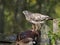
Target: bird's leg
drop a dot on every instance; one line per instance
(39, 26)
(33, 27)
(36, 27)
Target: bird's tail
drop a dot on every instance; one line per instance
(50, 18)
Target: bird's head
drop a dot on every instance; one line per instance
(25, 12)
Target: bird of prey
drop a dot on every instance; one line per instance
(28, 37)
(35, 18)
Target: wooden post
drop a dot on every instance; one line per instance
(56, 29)
(44, 35)
(55, 25)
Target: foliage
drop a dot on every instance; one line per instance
(12, 19)
(52, 36)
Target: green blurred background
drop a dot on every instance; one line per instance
(12, 19)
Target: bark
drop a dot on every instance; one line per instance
(1, 16)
